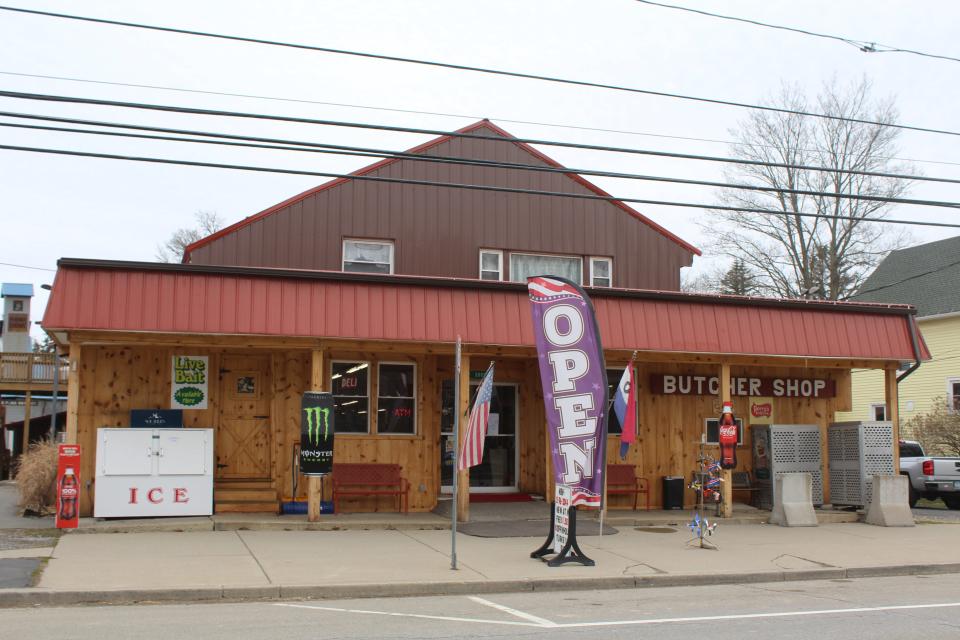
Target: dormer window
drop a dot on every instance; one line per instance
(368, 256)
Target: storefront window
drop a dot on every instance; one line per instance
(397, 398)
(350, 384)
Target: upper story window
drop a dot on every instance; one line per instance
(601, 272)
(491, 264)
(524, 265)
(953, 395)
(368, 256)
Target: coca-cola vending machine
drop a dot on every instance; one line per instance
(68, 487)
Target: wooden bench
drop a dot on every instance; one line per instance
(369, 479)
(622, 480)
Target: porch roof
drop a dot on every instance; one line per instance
(197, 299)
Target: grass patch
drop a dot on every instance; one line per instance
(923, 503)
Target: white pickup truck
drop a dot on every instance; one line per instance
(930, 478)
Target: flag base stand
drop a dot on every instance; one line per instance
(570, 552)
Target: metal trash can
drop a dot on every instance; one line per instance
(672, 492)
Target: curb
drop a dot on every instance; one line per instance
(38, 597)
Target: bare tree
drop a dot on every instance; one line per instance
(172, 250)
(824, 255)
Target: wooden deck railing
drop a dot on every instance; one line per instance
(31, 369)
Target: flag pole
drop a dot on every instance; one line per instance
(456, 456)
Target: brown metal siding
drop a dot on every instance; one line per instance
(439, 231)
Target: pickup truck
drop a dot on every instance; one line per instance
(930, 478)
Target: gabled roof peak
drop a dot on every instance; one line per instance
(462, 132)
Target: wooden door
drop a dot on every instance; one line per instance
(243, 437)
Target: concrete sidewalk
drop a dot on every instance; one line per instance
(217, 565)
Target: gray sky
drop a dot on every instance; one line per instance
(54, 206)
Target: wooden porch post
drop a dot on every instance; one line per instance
(28, 399)
(73, 395)
(313, 482)
(463, 478)
(892, 398)
(726, 509)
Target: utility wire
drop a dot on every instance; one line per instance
(867, 46)
(485, 70)
(23, 266)
(907, 279)
(444, 114)
(472, 136)
(313, 147)
(472, 187)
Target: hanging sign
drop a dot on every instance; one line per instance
(189, 382)
(561, 517)
(702, 385)
(316, 433)
(68, 486)
(574, 380)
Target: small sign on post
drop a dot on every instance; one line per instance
(561, 518)
(68, 487)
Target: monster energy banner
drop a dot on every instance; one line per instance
(316, 433)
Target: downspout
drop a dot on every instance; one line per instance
(916, 350)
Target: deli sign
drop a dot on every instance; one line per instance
(701, 385)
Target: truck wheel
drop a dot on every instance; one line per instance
(912, 496)
(952, 502)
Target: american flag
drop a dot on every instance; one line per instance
(471, 453)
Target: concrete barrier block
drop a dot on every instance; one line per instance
(795, 506)
(889, 506)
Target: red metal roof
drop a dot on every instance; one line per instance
(423, 147)
(242, 301)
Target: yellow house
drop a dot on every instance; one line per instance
(928, 277)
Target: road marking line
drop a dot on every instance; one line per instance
(542, 622)
(748, 616)
(512, 623)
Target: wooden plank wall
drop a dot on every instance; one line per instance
(670, 426)
(113, 380)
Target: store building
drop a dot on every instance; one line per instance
(361, 287)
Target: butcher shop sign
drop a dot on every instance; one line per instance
(701, 385)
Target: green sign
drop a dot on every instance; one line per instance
(189, 382)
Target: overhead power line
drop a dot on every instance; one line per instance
(444, 114)
(867, 46)
(23, 266)
(463, 67)
(314, 147)
(454, 134)
(472, 187)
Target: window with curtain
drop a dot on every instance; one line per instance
(367, 256)
(524, 265)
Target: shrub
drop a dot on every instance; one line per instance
(938, 430)
(37, 476)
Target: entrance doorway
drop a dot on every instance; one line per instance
(497, 472)
(243, 435)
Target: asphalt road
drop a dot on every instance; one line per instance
(876, 608)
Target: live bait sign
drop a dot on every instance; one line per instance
(189, 382)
